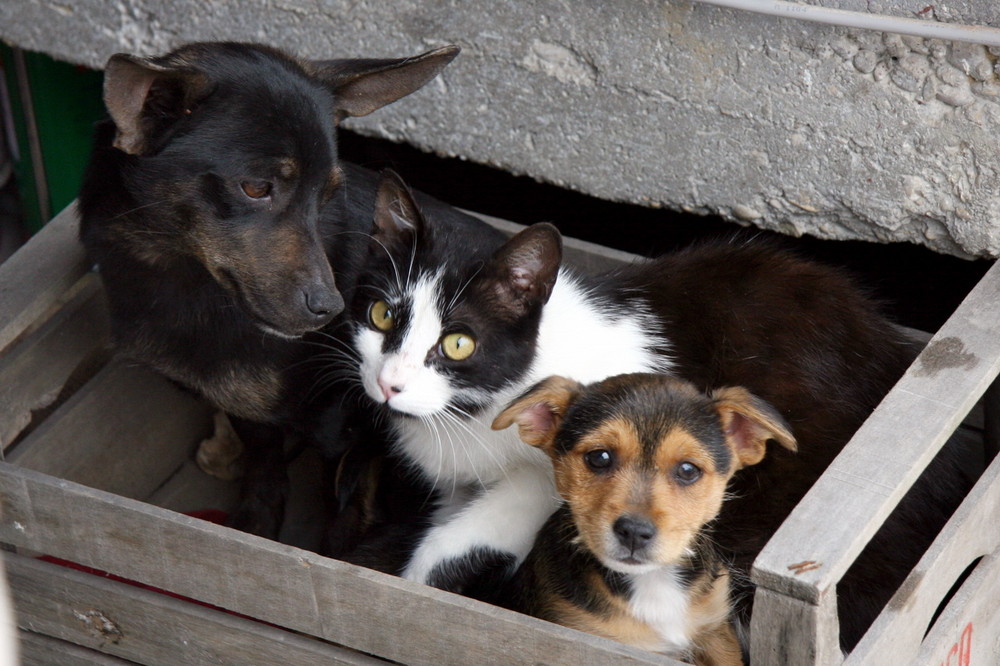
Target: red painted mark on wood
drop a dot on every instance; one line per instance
(960, 653)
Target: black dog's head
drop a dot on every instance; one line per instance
(227, 155)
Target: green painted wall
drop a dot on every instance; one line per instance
(66, 103)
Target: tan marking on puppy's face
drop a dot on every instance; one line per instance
(638, 507)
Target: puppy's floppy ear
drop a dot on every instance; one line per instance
(364, 85)
(748, 423)
(130, 82)
(539, 412)
(397, 216)
(525, 268)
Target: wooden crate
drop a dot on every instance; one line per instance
(99, 470)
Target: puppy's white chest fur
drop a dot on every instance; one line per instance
(659, 600)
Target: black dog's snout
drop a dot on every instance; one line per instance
(634, 533)
(323, 303)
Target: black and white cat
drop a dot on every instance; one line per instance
(449, 327)
(448, 331)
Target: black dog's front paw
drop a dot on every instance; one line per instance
(264, 489)
(477, 573)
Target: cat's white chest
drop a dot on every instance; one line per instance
(661, 602)
(457, 451)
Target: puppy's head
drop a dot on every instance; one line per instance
(643, 460)
(231, 155)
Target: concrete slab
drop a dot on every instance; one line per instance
(796, 127)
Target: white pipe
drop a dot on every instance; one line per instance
(977, 34)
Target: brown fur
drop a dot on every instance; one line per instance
(566, 578)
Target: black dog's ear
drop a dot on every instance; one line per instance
(130, 82)
(525, 268)
(364, 85)
(397, 216)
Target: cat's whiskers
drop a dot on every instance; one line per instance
(413, 257)
(458, 293)
(446, 419)
(431, 424)
(392, 261)
(454, 452)
(462, 419)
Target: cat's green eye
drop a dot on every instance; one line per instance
(380, 315)
(458, 346)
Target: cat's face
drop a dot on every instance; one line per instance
(443, 323)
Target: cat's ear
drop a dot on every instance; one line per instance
(526, 267)
(540, 411)
(397, 216)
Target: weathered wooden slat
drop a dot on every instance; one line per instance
(364, 610)
(972, 532)
(189, 489)
(968, 632)
(785, 630)
(41, 650)
(39, 273)
(125, 431)
(151, 628)
(878, 466)
(56, 358)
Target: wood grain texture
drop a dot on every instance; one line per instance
(787, 631)
(878, 466)
(973, 532)
(141, 625)
(361, 609)
(39, 273)
(968, 631)
(125, 431)
(51, 362)
(42, 650)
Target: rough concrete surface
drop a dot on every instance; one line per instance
(801, 128)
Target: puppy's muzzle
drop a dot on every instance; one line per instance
(633, 533)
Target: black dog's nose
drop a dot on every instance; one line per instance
(634, 533)
(323, 303)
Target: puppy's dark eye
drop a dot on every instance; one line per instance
(256, 189)
(687, 473)
(599, 460)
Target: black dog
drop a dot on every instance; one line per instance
(214, 206)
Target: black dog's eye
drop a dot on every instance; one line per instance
(687, 473)
(599, 460)
(256, 189)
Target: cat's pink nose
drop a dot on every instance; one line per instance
(388, 389)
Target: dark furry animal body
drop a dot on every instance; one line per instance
(799, 335)
(806, 339)
(215, 206)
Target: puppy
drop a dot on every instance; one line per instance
(642, 462)
(225, 229)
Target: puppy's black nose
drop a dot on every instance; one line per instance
(633, 532)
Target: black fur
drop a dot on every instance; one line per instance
(478, 570)
(800, 335)
(459, 261)
(217, 288)
(805, 338)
